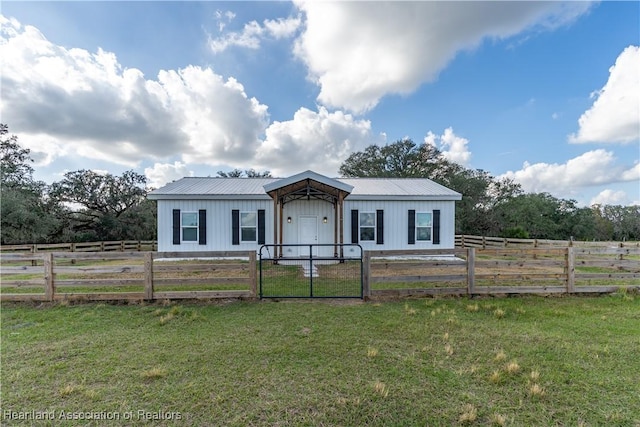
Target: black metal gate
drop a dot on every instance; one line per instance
(311, 271)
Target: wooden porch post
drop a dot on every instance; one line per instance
(281, 225)
(275, 224)
(341, 205)
(335, 227)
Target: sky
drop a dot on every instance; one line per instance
(544, 93)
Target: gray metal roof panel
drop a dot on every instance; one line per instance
(192, 186)
(399, 187)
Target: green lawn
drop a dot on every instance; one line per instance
(512, 361)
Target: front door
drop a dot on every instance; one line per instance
(307, 234)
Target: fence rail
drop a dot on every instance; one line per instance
(112, 246)
(461, 241)
(469, 241)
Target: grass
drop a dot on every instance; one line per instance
(411, 362)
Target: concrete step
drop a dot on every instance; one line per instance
(310, 272)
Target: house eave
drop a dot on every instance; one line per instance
(426, 198)
(351, 197)
(208, 197)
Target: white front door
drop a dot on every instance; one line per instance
(307, 234)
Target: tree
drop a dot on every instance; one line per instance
(16, 170)
(543, 216)
(623, 221)
(27, 215)
(480, 191)
(402, 159)
(104, 206)
(248, 173)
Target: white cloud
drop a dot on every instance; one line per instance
(615, 113)
(454, 148)
(597, 167)
(320, 141)
(223, 18)
(252, 34)
(70, 101)
(161, 173)
(282, 27)
(221, 123)
(609, 197)
(632, 174)
(358, 52)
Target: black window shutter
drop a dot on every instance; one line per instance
(411, 237)
(202, 226)
(354, 226)
(261, 232)
(235, 227)
(176, 226)
(379, 227)
(436, 227)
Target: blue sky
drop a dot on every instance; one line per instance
(547, 94)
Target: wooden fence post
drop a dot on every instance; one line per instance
(253, 274)
(49, 290)
(471, 271)
(366, 274)
(148, 276)
(570, 265)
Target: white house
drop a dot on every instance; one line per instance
(219, 214)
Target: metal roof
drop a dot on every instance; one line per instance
(254, 188)
(398, 187)
(191, 187)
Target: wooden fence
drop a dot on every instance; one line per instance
(461, 241)
(114, 246)
(96, 276)
(53, 276)
(469, 241)
(491, 271)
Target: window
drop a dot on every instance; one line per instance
(423, 226)
(189, 225)
(248, 226)
(367, 226)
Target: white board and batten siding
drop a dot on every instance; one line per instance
(219, 197)
(396, 223)
(219, 223)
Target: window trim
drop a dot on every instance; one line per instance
(417, 239)
(242, 227)
(196, 227)
(374, 226)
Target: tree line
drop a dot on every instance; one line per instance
(84, 206)
(496, 207)
(90, 206)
